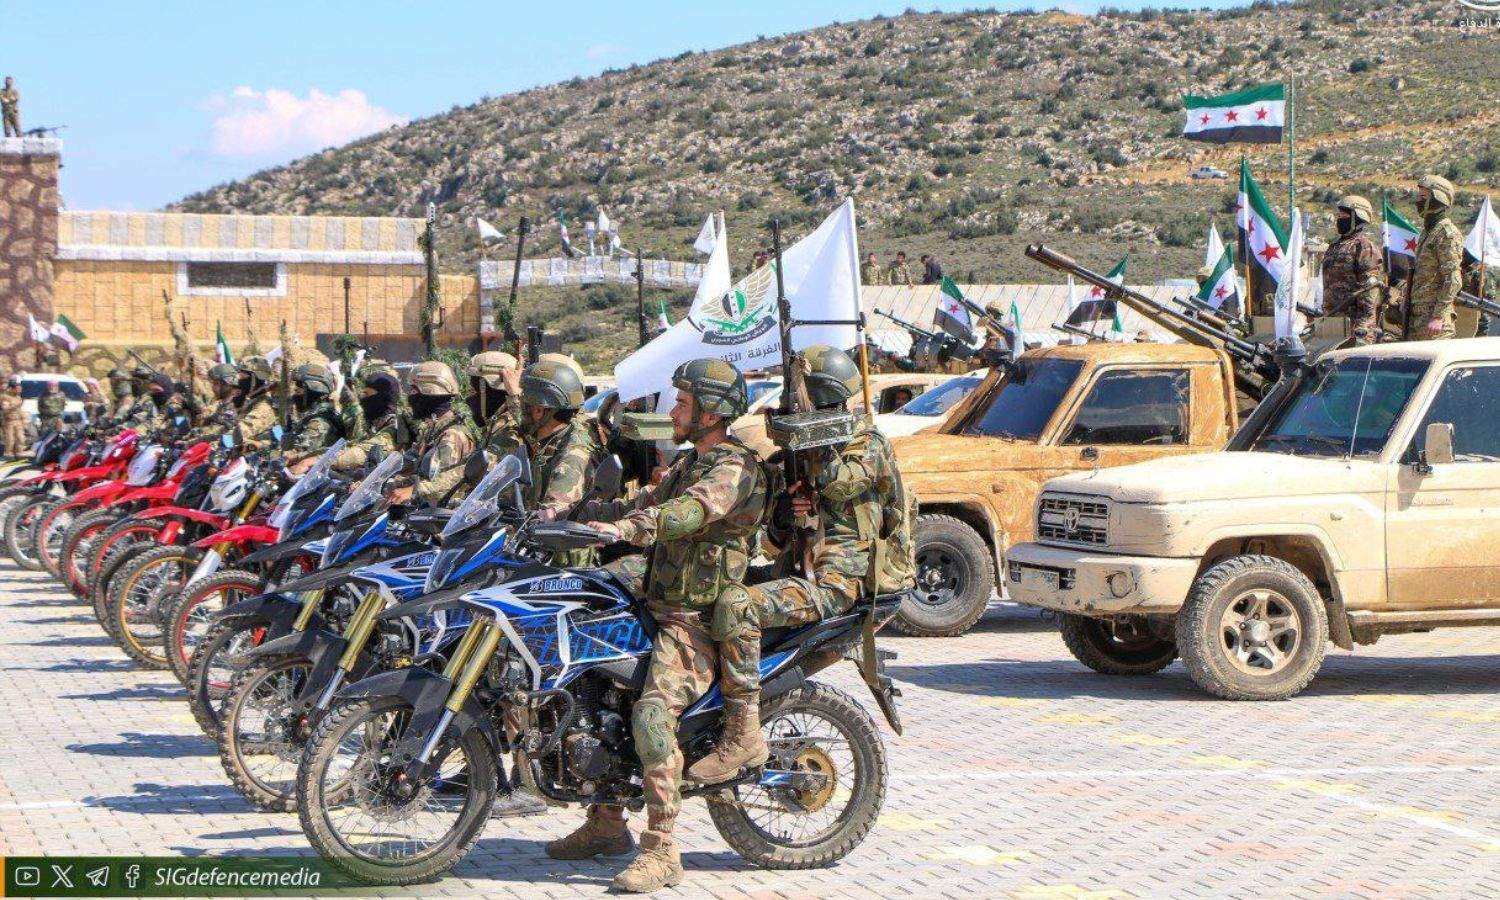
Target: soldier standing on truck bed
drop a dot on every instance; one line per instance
(1353, 273)
(1435, 279)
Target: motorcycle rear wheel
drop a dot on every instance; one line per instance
(820, 734)
(341, 783)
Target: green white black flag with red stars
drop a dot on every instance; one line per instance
(1262, 238)
(1252, 116)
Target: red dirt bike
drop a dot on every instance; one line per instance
(89, 462)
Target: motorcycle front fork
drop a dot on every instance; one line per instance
(464, 669)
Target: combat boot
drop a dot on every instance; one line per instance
(658, 865)
(602, 834)
(741, 745)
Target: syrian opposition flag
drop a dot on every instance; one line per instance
(1400, 242)
(1220, 290)
(1017, 336)
(562, 233)
(1262, 238)
(221, 346)
(1287, 287)
(1097, 307)
(67, 333)
(951, 314)
(1215, 247)
(1252, 116)
(662, 319)
(1483, 243)
(39, 332)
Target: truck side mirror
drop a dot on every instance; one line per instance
(1438, 444)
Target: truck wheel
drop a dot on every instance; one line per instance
(1122, 646)
(955, 579)
(1253, 628)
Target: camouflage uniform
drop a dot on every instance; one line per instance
(1471, 322)
(853, 488)
(49, 411)
(10, 109)
(256, 421)
(443, 446)
(382, 434)
(502, 433)
(1435, 279)
(561, 464)
(1354, 282)
(898, 274)
(871, 274)
(698, 522)
(123, 405)
(13, 423)
(144, 414)
(317, 429)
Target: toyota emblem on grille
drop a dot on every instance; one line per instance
(1070, 520)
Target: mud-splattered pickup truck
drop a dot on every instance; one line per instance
(1361, 500)
(1057, 409)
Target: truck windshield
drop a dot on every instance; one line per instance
(1026, 400)
(941, 398)
(1344, 409)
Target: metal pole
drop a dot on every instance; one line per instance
(346, 304)
(429, 320)
(509, 331)
(640, 298)
(1291, 151)
(1247, 301)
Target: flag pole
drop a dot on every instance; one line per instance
(1484, 240)
(1291, 151)
(1248, 300)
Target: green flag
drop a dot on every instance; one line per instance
(221, 346)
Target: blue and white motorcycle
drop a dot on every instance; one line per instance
(398, 778)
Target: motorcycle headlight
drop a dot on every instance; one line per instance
(337, 544)
(442, 568)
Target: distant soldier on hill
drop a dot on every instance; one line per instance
(898, 273)
(870, 273)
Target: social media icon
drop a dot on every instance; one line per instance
(99, 877)
(62, 876)
(28, 876)
(132, 877)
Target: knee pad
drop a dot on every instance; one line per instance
(655, 732)
(733, 613)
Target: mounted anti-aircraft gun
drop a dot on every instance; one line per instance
(1471, 301)
(930, 342)
(1257, 366)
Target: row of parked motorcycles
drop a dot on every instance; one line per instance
(388, 672)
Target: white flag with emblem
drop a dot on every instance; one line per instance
(740, 324)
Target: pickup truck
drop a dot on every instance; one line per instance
(1360, 499)
(1059, 409)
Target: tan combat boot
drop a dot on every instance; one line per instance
(602, 834)
(740, 746)
(658, 865)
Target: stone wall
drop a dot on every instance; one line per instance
(28, 243)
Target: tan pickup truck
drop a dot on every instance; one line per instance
(1063, 409)
(1362, 500)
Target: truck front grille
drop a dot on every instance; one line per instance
(1073, 520)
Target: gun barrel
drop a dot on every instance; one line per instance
(1488, 307)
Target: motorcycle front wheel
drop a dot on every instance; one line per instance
(138, 595)
(822, 789)
(19, 530)
(356, 813)
(82, 538)
(215, 662)
(47, 536)
(194, 613)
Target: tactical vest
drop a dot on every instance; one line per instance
(694, 570)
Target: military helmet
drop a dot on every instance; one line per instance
(1359, 208)
(488, 366)
(563, 359)
(142, 371)
(1205, 272)
(552, 384)
(257, 366)
(715, 385)
(117, 374)
(995, 310)
(313, 378)
(434, 379)
(1440, 188)
(832, 377)
(224, 373)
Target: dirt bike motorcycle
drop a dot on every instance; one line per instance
(143, 590)
(420, 751)
(87, 461)
(153, 478)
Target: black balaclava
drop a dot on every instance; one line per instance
(484, 401)
(165, 392)
(425, 406)
(1344, 224)
(383, 401)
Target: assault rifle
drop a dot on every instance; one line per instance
(1218, 318)
(1256, 366)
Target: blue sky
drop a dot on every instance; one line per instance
(161, 99)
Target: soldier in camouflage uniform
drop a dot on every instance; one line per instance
(1435, 277)
(562, 448)
(257, 413)
(145, 411)
(224, 415)
(698, 523)
(856, 494)
(13, 419)
(495, 400)
(122, 392)
(50, 407)
(318, 424)
(870, 272)
(1353, 271)
(443, 443)
(898, 274)
(385, 430)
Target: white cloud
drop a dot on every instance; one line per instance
(253, 123)
(600, 51)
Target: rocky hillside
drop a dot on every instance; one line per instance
(966, 135)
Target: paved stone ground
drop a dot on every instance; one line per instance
(1021, 774)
